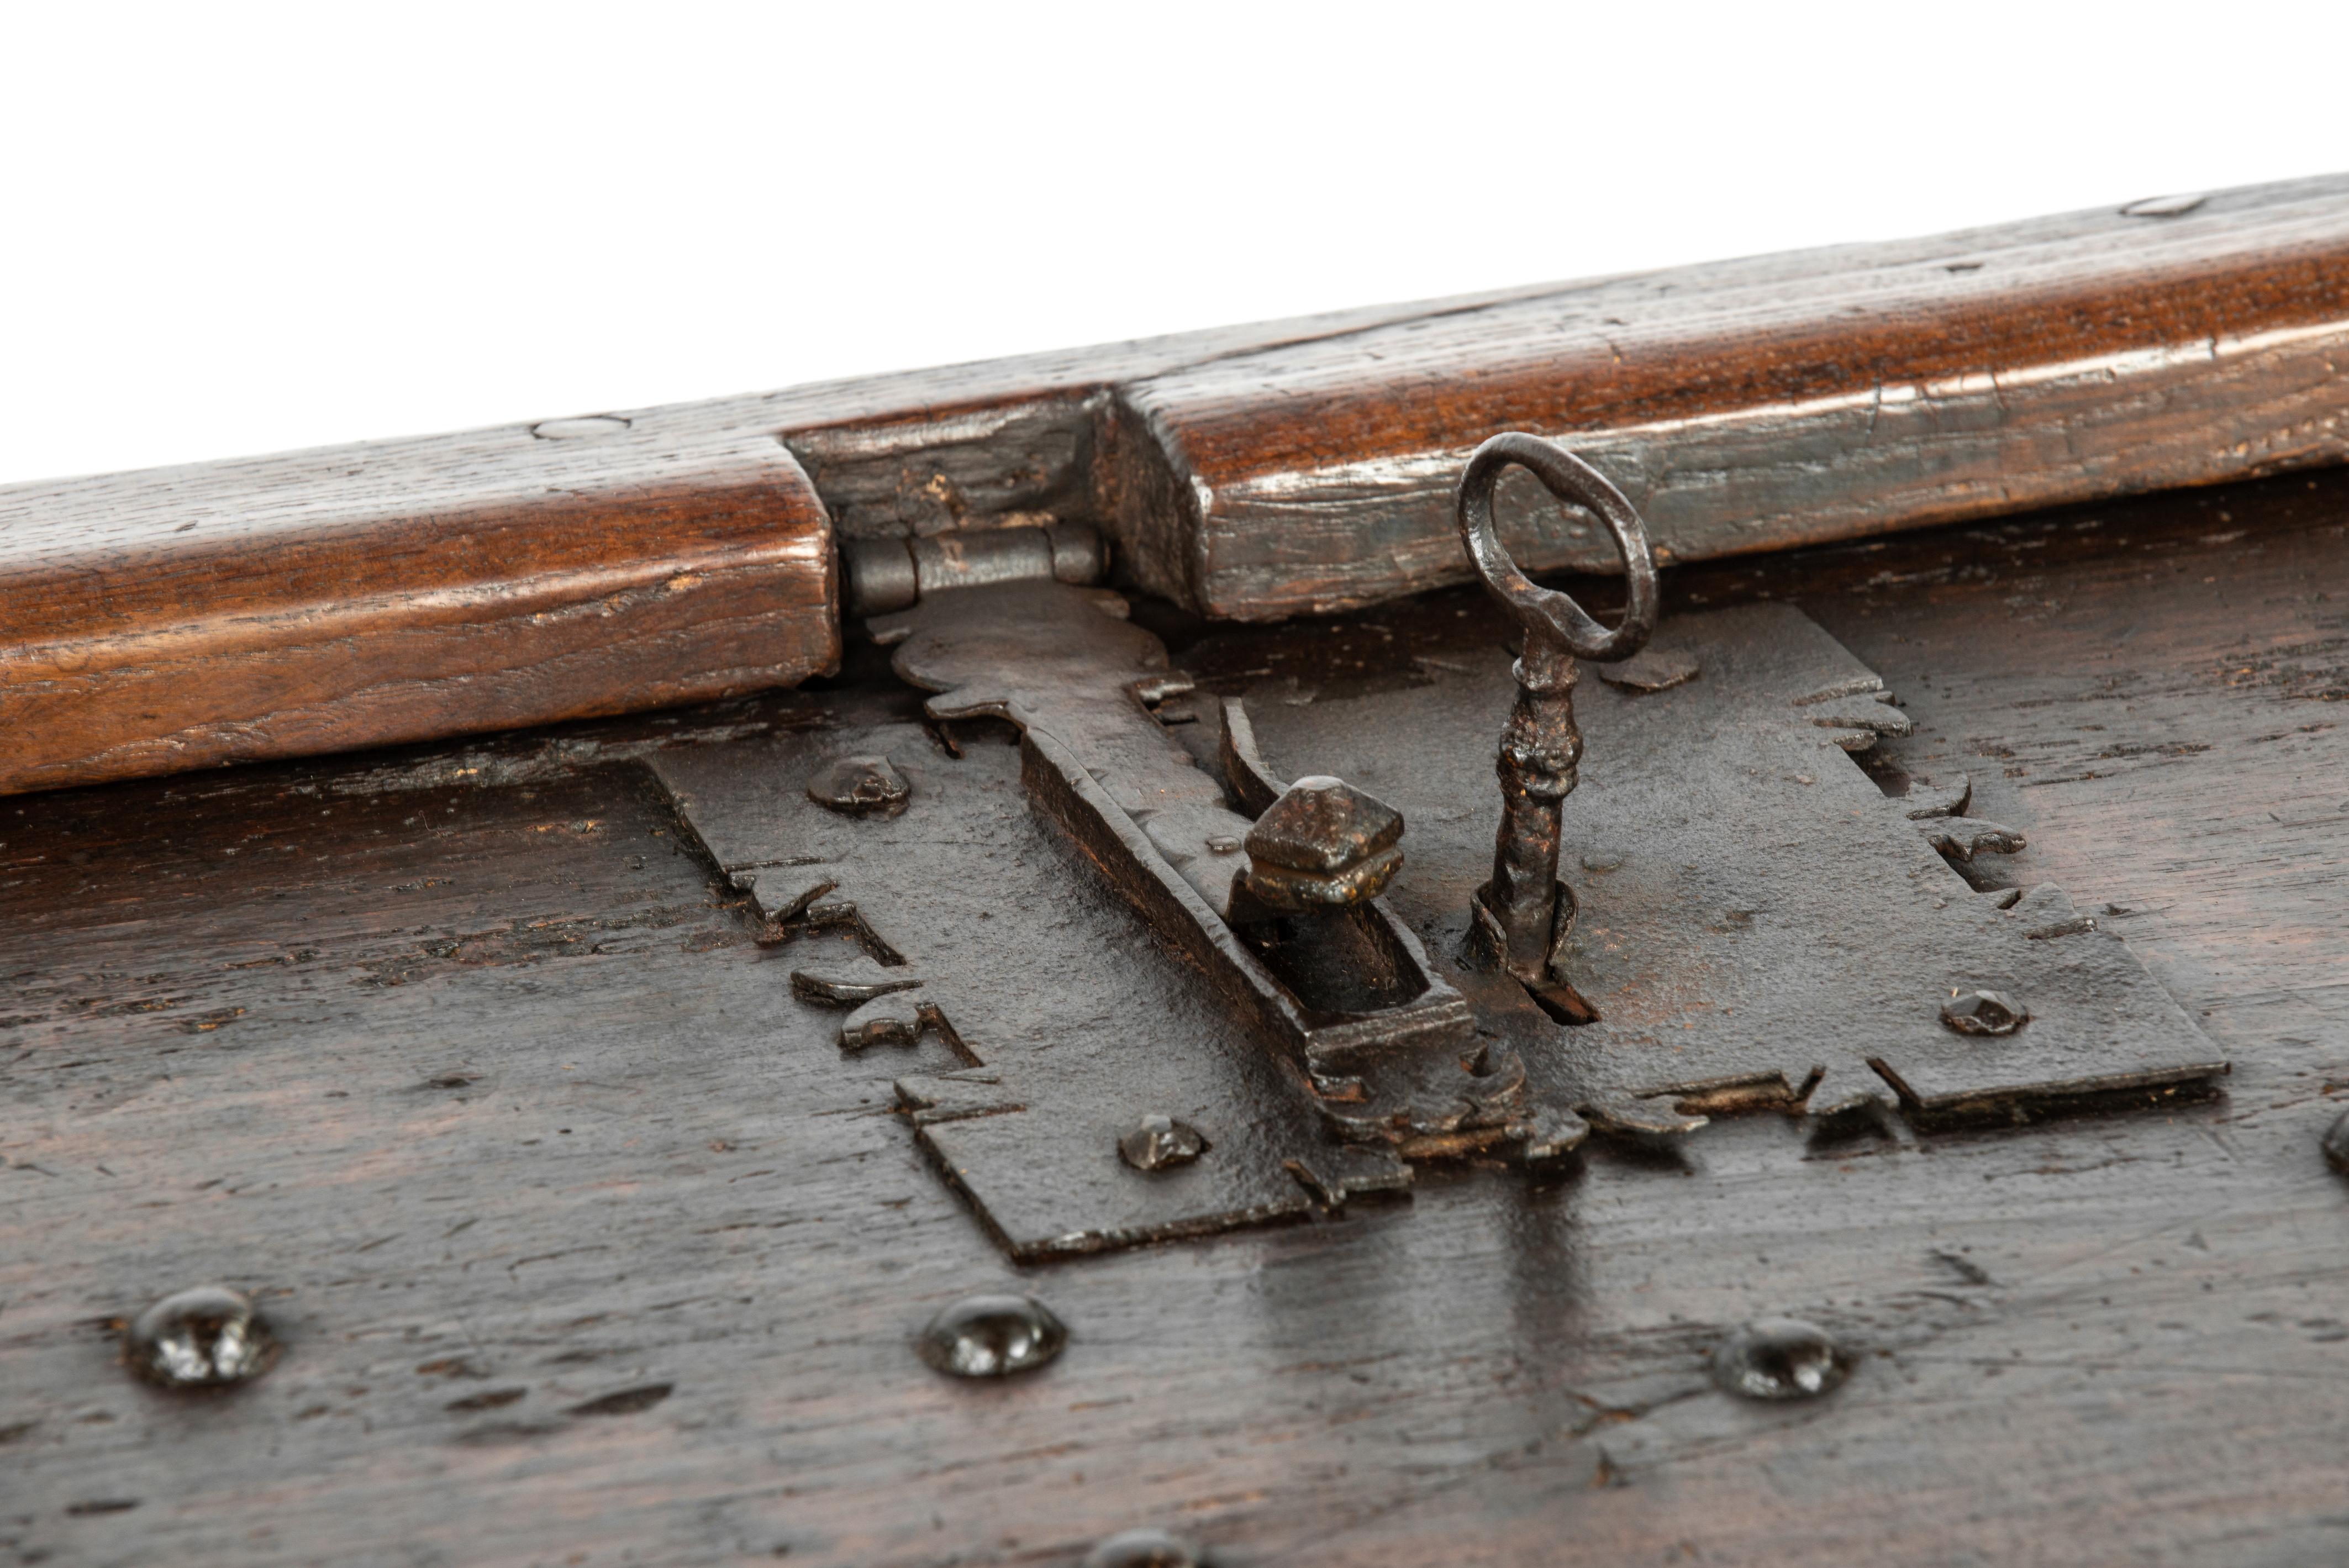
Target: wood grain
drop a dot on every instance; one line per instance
(1305, 466)
(1756, 405)
(461, 1062)
(409, 590)
(184, 617)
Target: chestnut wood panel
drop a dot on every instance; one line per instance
(409, 590)
(459, 1061)
(183, 617)
(1758, 404)
(1271, 469)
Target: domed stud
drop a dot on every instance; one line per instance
(204, 1338)
(992, 1336)
(1144, 1549)
(1160, 1143)
(1779, 1359)
(1984, 1012)
(859, 786)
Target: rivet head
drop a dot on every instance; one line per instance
(2336, 1145)
(207, 1337)
(1160, 1143)
(859, 786)
(1778, 1358)
(2176, 206)
(992, 1336)
(1144, 1549)
(591, 427)
(1984, 1012)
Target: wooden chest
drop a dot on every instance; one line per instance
(473, 1059)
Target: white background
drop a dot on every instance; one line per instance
(231, 230)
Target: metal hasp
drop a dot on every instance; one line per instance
(1522, 913)
(1281, 910)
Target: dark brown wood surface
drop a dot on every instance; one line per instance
(1305, 466)
(473, 1074)
(1754, 405)
(406, 589)
(183, 617)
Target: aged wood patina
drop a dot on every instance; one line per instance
(552, 1121)
(392, 591)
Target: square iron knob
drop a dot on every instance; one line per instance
(1323, 844)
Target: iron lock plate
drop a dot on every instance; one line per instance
(1758, 926)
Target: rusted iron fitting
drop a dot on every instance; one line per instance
(1522, 911)
(880, 576)
(1323, 845)
(1540, 749)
